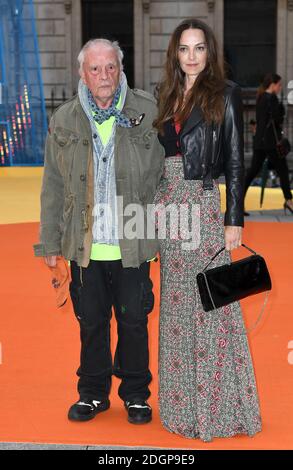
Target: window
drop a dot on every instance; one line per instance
(111, 20)
(250, 40)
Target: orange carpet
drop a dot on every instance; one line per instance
(39, 348)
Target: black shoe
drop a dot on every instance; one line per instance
(286, 206)
(246, 214)
(139, 411)
(85, 409)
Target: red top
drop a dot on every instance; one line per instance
(178, 129)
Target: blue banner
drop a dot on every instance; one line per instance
(23, 122)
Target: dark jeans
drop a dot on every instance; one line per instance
(94, 290)
(279, 164)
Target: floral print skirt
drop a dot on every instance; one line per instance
(207, 385)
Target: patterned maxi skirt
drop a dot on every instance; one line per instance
(207, 386)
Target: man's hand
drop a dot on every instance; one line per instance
(50, 261)
(233, 237)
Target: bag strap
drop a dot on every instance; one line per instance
(272, 122)
(222, 249)
(261, 313)
(275, 131)
(259, 317)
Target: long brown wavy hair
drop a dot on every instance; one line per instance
(207, 91)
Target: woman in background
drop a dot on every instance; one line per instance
(269, 108)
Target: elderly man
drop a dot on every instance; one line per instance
(100, 145)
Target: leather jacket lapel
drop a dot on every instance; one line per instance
(194, 119)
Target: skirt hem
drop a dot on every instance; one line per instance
(215, 436)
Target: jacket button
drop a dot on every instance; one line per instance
(85, 142)
(82, 177)
(95, 136)
(104, 159)
(147, 146)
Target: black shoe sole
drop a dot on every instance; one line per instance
(145, 420)
(75, 417)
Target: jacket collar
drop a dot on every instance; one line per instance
(194, 119)
(196, 115)
(130, 105)
(130, 109)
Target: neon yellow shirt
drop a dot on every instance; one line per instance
(102, 251)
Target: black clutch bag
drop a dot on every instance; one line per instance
(283, 147)
(231, 282)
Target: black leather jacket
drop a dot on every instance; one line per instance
(211, 150)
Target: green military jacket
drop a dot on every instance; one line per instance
(67, 196)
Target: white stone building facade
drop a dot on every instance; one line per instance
(59, 26)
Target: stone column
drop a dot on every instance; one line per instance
(50, 25)
(68, 46)
(164, 17)
(142, 44)
(138, 45)
(146, 40)
(282, 53)
(76, 41)
(289, 74)
(154, 21)
(218, 25)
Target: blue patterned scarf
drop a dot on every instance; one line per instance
(101, 115)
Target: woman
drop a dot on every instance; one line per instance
(207, 384)
(268, 108)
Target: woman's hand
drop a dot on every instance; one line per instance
(233, 237)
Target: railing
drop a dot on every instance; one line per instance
(53, 102)
(248, 96)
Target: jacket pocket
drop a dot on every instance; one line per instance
(67, 141)
(146, 292)
(65, 137)
(146, 164)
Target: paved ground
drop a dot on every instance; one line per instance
(269, 216)
(29, 446)
(261, 216)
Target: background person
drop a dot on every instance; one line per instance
(269, 108)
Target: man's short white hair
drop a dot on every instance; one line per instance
(103, 42)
